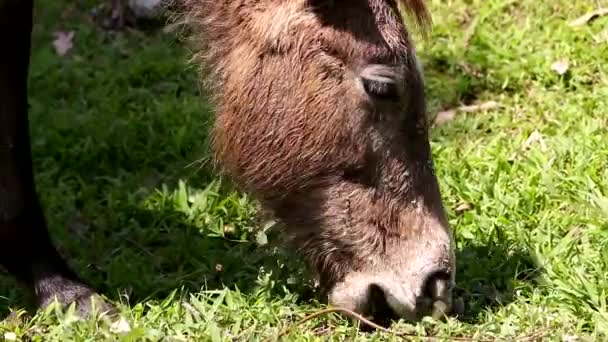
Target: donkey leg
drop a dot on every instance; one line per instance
(26, 250)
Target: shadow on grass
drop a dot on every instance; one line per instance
(487, 276)
(167, 250)
(146, 254)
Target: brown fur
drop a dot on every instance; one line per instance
(350, 175)
(244, 42)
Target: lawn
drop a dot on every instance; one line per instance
(120, 125)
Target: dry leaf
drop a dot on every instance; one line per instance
(63, 42)
(120, 326)
(589, 17)
(469, 69)
(601, 38)
(444, 116)
(535, 138)
(463, 206)
(229, 229)
(561, 66)
(10, 336)
(479, 107)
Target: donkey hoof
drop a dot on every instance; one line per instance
(66, 292)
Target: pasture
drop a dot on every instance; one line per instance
(119, 134)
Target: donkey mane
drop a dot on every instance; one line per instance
(217, 27)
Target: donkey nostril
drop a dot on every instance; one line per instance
(436, 297)
(378, 309)
(437, 285)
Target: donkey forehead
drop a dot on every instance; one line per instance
(349, 32)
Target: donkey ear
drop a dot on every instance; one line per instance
(418, 10)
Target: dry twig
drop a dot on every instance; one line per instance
(536, 336)
(589, 17)
(449, 114)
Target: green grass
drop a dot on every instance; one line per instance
(119, 128)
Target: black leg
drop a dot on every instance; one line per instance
(26, 250)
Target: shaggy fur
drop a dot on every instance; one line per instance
(321, 115)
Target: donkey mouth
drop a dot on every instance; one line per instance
(379, 310)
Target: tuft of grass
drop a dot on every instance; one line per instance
(119, 129)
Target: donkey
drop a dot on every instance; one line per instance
(320, 115)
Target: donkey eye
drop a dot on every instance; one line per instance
(384, 88)
(381, 81)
